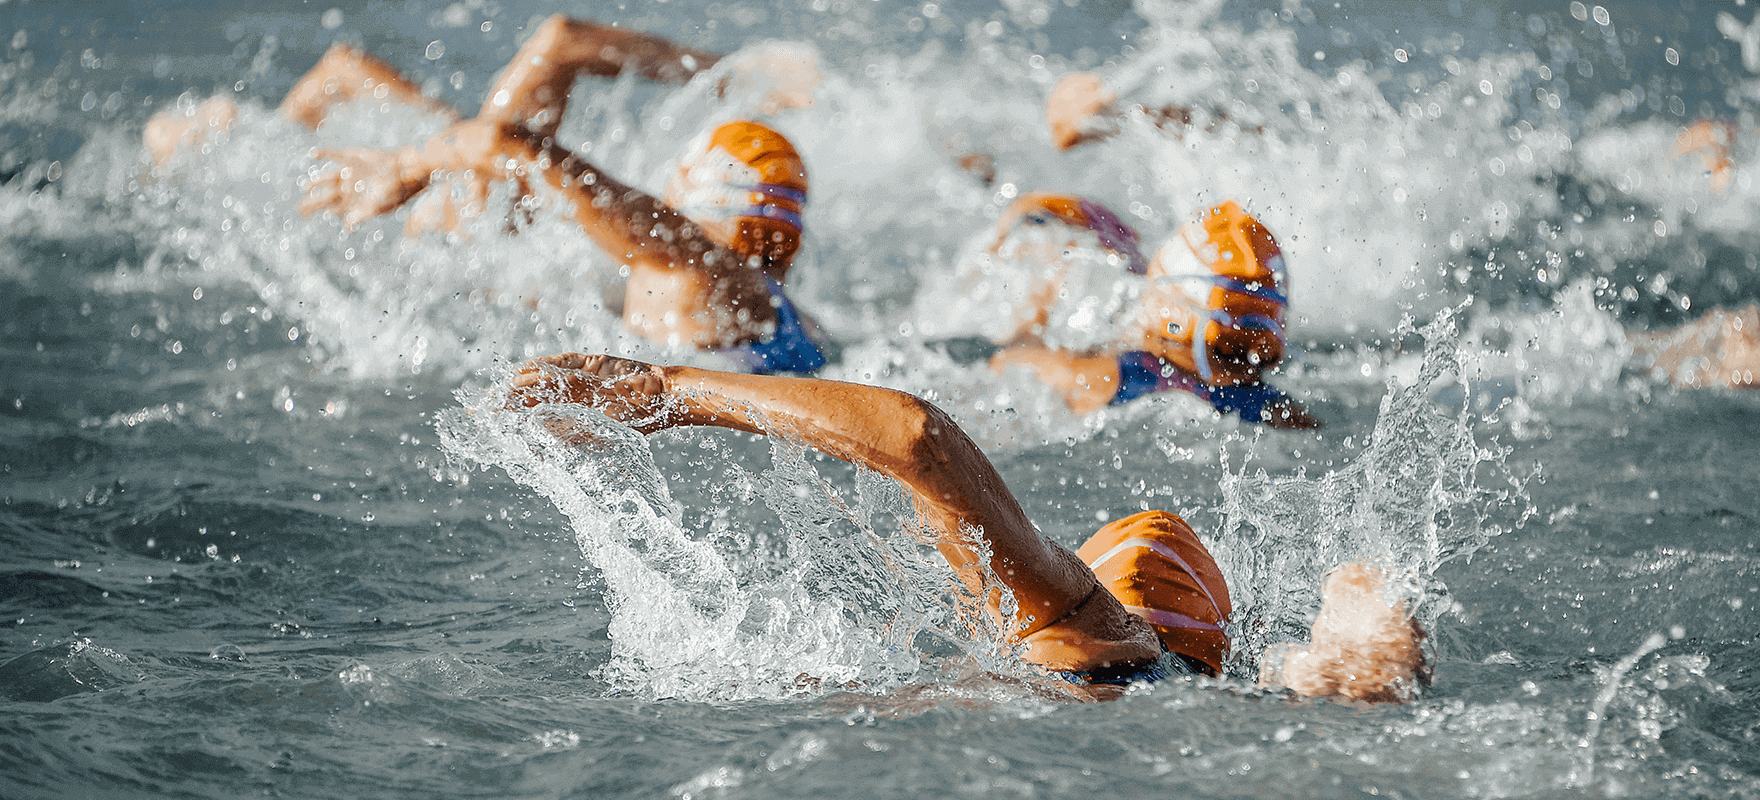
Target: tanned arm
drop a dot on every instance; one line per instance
(1066, 620)
(633, 227)
(533, 90)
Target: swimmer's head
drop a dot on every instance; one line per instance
(1040, 209)
(1232, 271)
(746, 186)
(1156, 567)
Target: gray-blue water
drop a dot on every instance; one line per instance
(235, 558)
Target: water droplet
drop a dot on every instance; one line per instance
(227, 652)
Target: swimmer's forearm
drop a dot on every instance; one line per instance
(534, 88)
(627, 223)
(605, 52)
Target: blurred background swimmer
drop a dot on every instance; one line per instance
(1081, 109)
(1142, 600)
(1721, 348)
(705, 266)
(531, 91)
(1208, 320)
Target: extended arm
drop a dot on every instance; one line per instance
(626, 222)
(1074, 623)
(1081, 109)
(346, 73)
(533, 90)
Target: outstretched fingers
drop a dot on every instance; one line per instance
(361, 183)
(628, 391)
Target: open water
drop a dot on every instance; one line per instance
(251, 543)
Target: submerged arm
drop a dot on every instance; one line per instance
(1074, 623)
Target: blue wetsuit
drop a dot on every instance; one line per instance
(1169, 665)
(788, 349)
(1141, 373)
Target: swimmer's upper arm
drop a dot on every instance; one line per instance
(956, 489)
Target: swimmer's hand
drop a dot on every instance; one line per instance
(628, 391)
(363, 183)
(1081, 109)
(1362, 649)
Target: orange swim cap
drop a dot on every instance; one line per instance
(1155, 565)
(745, 180)
(1246, 305)
(1039, 208)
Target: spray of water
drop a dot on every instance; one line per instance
(1422, 491)
(844, 594)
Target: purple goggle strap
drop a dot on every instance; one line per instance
(1115, 235)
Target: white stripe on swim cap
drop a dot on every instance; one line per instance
(1166, 552)
(1171, 619)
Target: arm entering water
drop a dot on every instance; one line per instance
(1074, 625)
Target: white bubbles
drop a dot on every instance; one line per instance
(331, 20)
(1672, 56)
(1601, 16)
(456, 16)
(435, 50)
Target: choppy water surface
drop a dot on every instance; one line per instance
(254, 543)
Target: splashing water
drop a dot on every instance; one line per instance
(847, 597)
(1411, 500)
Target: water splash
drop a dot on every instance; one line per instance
(1609, 690)
(843, 595)
(1532, 361)
(1421, 492)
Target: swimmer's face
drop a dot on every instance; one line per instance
(760, 243)
(1038, 238)
(705, 186)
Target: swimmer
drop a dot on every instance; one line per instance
(1215, 341)
(1081, 109)
(706, 263)
(712, 280)
(1721, 348)
(1140, 601)
(532, 91)
(1711, 141)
